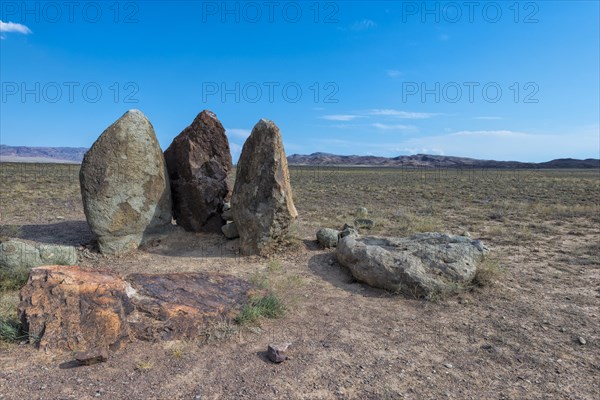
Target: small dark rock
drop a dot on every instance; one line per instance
(230, 230)
(227, 215)
(276, 352)
(363, 223)
(327, 237)
(348, 230)
(361, 212)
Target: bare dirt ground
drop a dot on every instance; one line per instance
(515, 338)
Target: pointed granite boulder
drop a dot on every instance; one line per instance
(262, 204)
(199, 163)
(124, 184)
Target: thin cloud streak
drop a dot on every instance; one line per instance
(10, 27)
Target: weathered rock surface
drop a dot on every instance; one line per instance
(124, 184)
(419, 266)
(327, 237)
(199, 162)
(230, 230)
(15, 255)
(182, 305)
(262, 203)
(75, 309)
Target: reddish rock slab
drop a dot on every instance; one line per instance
(183, 305)
(71, 308)
(76, 309)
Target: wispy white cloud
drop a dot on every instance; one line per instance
(487, 118)
(499, 133)
(393, 73)
(511, 145)
(238, 133)
(444, 37)
(341, 117)
(492, 145)
(388, 127)
(10, 27)
(401, 114)
(363, 25)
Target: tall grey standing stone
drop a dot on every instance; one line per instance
(199, 163)
(124, 184)
(262, 204)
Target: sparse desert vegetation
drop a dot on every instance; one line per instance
(528, 328)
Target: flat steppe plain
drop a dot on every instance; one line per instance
(515, 336)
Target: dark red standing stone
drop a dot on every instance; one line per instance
(198, 163)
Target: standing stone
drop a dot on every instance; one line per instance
(262, 204)
(199, 162)
(124, 184)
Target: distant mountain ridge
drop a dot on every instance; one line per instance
(75, 155)
(41, 154)
(433, 161)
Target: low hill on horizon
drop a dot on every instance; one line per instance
(41, 154)
(433, 161)
(75, 155)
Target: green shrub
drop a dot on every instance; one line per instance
(268, 306)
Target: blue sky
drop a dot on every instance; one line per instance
(493, 80)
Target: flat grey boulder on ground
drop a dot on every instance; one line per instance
(262, 203)
(327, 237)
(124, 184)
(422, 265)
(16, 255)
(199, 162)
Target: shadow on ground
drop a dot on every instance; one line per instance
(326, 267)
(176, 242)
(67, 233)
